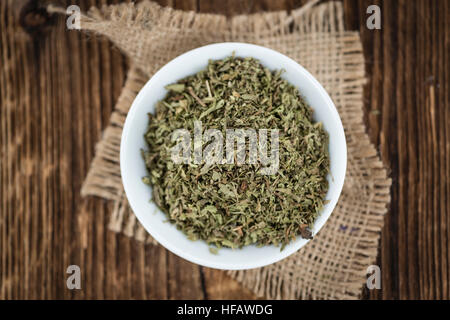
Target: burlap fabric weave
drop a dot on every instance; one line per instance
(334, 264)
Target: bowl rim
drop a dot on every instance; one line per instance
(161, 239)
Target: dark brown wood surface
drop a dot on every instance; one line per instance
(58, 88)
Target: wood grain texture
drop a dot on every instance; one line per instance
(58, 88)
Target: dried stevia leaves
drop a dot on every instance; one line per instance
(228, 204)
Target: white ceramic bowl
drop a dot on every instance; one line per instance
(133, 168)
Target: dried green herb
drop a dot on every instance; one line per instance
(233, 205)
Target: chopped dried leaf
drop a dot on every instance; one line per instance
(231, 205)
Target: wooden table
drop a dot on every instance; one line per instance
(58, 88)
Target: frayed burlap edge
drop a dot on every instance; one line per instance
(103, 179)
(334, 264)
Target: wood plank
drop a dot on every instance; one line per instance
(57, 91)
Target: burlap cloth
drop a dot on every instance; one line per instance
(334, 264)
